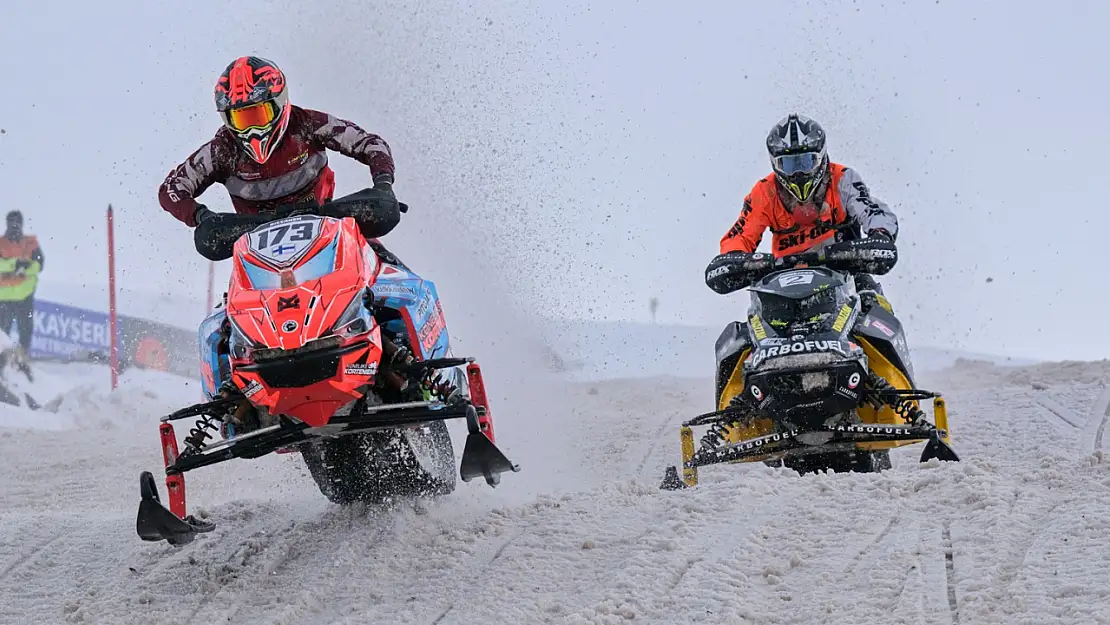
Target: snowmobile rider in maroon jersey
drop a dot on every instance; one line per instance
(271, 153)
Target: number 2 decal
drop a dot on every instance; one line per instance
(793, 279)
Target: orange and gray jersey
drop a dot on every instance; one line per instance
(847, 207)
(868, 211)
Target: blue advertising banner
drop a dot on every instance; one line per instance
(64, 332)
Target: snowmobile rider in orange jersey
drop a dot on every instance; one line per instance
(808, 203)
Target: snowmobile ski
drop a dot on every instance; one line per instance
(481, 457)
(797, 442)
(156, 523)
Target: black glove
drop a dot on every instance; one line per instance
(385, 186)
(733, 271)
(875, 254)
(215, 236)
(376, 210)
(202, 213)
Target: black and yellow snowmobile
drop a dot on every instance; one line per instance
(811, 381)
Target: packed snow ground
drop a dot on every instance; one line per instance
(1017, 533)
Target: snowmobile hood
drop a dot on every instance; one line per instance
(799, 283)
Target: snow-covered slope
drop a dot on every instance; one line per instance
(1017, 533)
(86, 400)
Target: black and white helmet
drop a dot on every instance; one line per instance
(797, 148)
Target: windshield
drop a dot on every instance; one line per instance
(320, 265)
(810, 313)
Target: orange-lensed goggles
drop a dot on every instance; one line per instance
(255, 116)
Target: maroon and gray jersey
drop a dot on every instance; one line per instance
(297, 171)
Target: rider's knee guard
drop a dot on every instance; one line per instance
(385, 255)
(870, 293)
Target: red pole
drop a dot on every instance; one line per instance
(211, 285)
(113, 359)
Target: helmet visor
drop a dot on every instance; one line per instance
(255, 116)
(790, 164)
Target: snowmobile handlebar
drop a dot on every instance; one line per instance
(733, 271)
(376, 212)
(368, 202)
(873, 256)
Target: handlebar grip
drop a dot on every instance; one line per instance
(875, 256)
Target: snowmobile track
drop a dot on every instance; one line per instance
(497, 554)
(28, 556)
(1102, 410)
(682, 573)
(1016, 564)
(656, 436)
(872, 544)
(950, 571)
(250, 554)
(244, 563)
(1059, 412)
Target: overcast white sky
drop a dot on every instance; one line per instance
(579, 157)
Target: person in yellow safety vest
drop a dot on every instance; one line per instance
(21, 261)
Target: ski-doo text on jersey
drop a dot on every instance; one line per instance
(846, 199)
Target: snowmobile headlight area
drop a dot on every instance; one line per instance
(356, 318)
(794, 361)
(269, 354)
(814, 381)
(240, 345)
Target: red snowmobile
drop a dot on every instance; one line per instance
(324, 348)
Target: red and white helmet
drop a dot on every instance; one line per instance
(253, 101)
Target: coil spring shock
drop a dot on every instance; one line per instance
(434, 382)
(201, 432)
(206, 423)
(904, 408)
(439, 386)
(398, 355)
(717, 434)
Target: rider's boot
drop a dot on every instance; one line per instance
(385, 255)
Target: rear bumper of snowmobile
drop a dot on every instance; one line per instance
(481, 456)
(819, 440)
